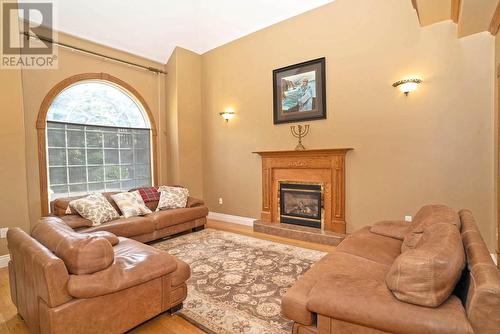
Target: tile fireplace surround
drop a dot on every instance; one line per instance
(325, 167)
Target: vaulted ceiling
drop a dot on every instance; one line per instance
(471, 16)
(153, 28)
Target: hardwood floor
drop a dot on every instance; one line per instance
(11, 323)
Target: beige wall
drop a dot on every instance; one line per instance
(496, 136)
(172, 119)
(435, 146)
(13, 197)
(37, 83)
(184, 120)
(475, 16)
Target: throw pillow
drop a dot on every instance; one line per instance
(427, 274)
(131, 204)
(95, 207)
(149, 194)
(172, 197)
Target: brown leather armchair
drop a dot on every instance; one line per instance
(68, 282)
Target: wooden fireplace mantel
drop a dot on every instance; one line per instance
(324, 166)
(295, 153)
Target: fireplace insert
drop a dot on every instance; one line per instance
(300, 204)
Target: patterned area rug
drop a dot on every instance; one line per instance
(237, 281)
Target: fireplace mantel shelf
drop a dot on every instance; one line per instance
(316, 152)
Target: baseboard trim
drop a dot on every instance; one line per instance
(4, 260)
(231, 219)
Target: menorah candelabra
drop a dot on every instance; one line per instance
(299, 133)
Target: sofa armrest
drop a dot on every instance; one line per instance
(396, 229)
(112, 238)
(75, 221)
(135, 263)
(193, 202)
(368, 302)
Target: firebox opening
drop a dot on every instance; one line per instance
(300, 204)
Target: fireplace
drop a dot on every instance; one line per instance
(300, 204)
(323, 167)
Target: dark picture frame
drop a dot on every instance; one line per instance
(299, 92)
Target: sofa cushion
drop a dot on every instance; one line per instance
(134, 263)
(365, 300)
(371, 246)
(95, 207)
(294, 302)
(426, 216)
(113, 239)
(125, 227)
(76, 221)
(391, 228)
(166, 218)
(81, 253)
(427, 274)
(192, 202)
(434, 213)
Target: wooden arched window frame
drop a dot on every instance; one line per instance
(41, 125)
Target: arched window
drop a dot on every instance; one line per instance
(97, 138)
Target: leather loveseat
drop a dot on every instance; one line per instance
(68, 282)
(146, 228)
(433, 276)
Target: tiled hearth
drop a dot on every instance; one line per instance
(303, 233)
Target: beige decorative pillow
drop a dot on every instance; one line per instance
(131, 204)
(172, 197)
(96, 208)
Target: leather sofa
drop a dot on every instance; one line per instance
(68, 282)
(147, 228)
(434, 275)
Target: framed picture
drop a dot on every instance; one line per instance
(299, 92)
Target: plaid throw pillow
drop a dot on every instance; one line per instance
(149, 194)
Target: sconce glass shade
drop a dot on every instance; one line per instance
(408, 85)
(227, 114)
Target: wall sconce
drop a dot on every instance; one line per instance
(227, 114)
(407, 85)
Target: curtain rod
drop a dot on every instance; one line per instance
(49, 40)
